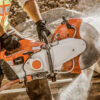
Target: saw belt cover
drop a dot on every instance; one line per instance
(65, 32)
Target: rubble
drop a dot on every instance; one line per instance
(17, 15)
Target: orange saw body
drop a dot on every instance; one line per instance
(32, 56)
(26, 47)
(64, 32)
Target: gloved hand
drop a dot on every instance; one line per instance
(41, 27)
(8, 42)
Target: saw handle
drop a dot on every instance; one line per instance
(52, 75)
(45, 37)
(7, 53)
(65, 21)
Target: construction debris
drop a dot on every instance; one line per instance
(17, 15)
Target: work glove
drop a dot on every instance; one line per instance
(8, 42)
(41, 27)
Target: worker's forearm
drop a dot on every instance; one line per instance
(32, 9)
(1, 31)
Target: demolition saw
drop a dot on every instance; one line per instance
(46, 59)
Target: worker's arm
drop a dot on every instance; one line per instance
(32, 9)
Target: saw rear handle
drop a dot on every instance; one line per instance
(65, 21)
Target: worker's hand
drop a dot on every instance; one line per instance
(8, 42)
(41, 27)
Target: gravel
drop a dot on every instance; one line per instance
(17, 15)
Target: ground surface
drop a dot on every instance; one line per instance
(94, 93)
(17, 15)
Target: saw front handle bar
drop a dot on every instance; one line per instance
(45, 37)
(51, 67)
